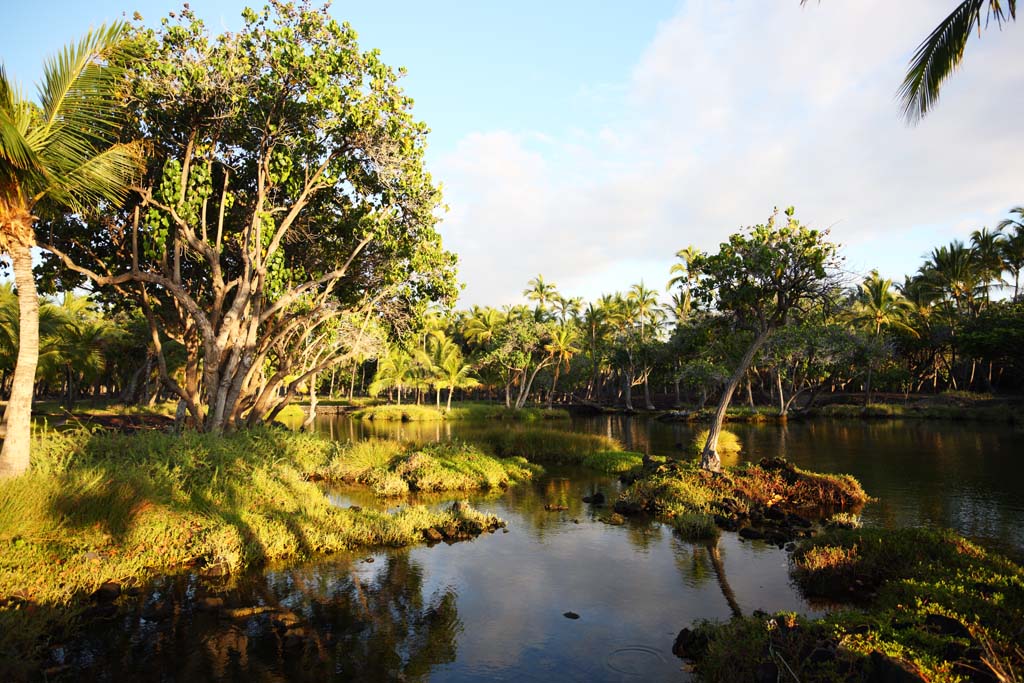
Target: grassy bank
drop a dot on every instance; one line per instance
(558, 447)
(921, 602)
(957, 413)
(111, 507)
(392, 468)
(462, 411)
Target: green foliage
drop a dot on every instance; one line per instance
(391, 468)
(544, 445)
(695, 526)
(762, 274)
(927, 597)
(728, 442)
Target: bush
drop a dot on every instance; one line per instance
(728, 442)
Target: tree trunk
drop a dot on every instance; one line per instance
(311, 416)
(648, 405)
(709, 459)
(867, 386)
(14, 458)
(554, 382)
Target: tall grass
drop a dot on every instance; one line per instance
(391, 468)
(101, 506)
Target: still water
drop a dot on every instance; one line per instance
(493, 608)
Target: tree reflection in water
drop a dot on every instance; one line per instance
(699, 562)
(345, 620)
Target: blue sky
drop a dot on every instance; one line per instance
(589, 141)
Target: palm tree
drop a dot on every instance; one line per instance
(567, 309)
(540, 291)
(1013, 246)
(878, 306)
(988, 252)
(942, 51)
(561, 348)
(59, 153)
(453, 371)
(650, 315)
(397, 369)
(683, 275)
(481, 327)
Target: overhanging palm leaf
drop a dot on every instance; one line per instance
(942, 51)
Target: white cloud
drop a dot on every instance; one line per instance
(733, 108)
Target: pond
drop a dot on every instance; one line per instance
(495, 608)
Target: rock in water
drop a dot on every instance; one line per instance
(571, 615)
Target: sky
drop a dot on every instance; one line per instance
(588, 141)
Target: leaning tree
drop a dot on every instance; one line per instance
(286, 210)
(761, 276)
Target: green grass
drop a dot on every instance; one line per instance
(928, 598)
(461, 411)
(492, 411)
(396, 413)
(106, 506)
(391, 468)
(558, 447)
(954, 413)
(728, 442)
(695, 526)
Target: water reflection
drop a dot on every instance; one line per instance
(923, 473)
(339, 619)
(491, 608)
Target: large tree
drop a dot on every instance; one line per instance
(760, 277)
(286, 204)
(58, 153)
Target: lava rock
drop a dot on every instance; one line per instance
(751, 533)
(432, 535)
(886, 669)
(947, 626)
(596, 499)
(627, 508)
(570, 615)
(690, 644)
(615, 518)
(107, 592)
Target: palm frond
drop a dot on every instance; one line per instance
(942, 52)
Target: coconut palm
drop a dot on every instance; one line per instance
(540, 291)
(481, 327)
(453, 371)
(61, 152)
(684, 276)
(988, 253)
(879, 306)
(942, 51)
(1013, 246)
(562, 347)
(395, 369)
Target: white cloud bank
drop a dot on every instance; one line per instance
(732, 109)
